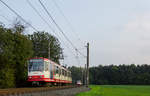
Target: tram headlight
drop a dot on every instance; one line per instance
(30, 77)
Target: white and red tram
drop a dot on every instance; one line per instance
(42, 70)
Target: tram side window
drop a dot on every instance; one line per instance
(57, 69)
(63, 72)
(60, 71)
(54, 69)
(69, 74)
(66, 73)
(46, 66)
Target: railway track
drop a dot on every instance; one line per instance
(31, 91)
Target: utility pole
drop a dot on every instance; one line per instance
(85, 75)
(82, 75)
(87, 71)
(49, 49)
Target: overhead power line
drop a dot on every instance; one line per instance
(28, 1)
(18, 15)
(56, 23)
(51, 17)
(66, 19)
(48, 24)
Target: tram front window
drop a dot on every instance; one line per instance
(36, 66)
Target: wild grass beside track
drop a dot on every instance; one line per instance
(117, 90)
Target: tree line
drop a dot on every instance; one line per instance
(120, 75)
(114, 74)
(16, 47)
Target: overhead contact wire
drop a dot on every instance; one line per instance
(46, 22)
(59, 27)
(18, 15)
(68, 22)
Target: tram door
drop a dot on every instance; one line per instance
(51, 71)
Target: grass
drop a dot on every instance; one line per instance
(117, 90)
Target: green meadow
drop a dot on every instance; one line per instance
(117, 90)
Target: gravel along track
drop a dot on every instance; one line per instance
(68, 92)
(45, 91)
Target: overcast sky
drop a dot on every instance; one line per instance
(118, 30)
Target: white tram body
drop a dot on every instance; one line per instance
(44, 70)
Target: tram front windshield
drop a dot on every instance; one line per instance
(36, 65)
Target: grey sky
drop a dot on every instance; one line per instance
(118, 30)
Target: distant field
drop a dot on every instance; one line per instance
(117, 90)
